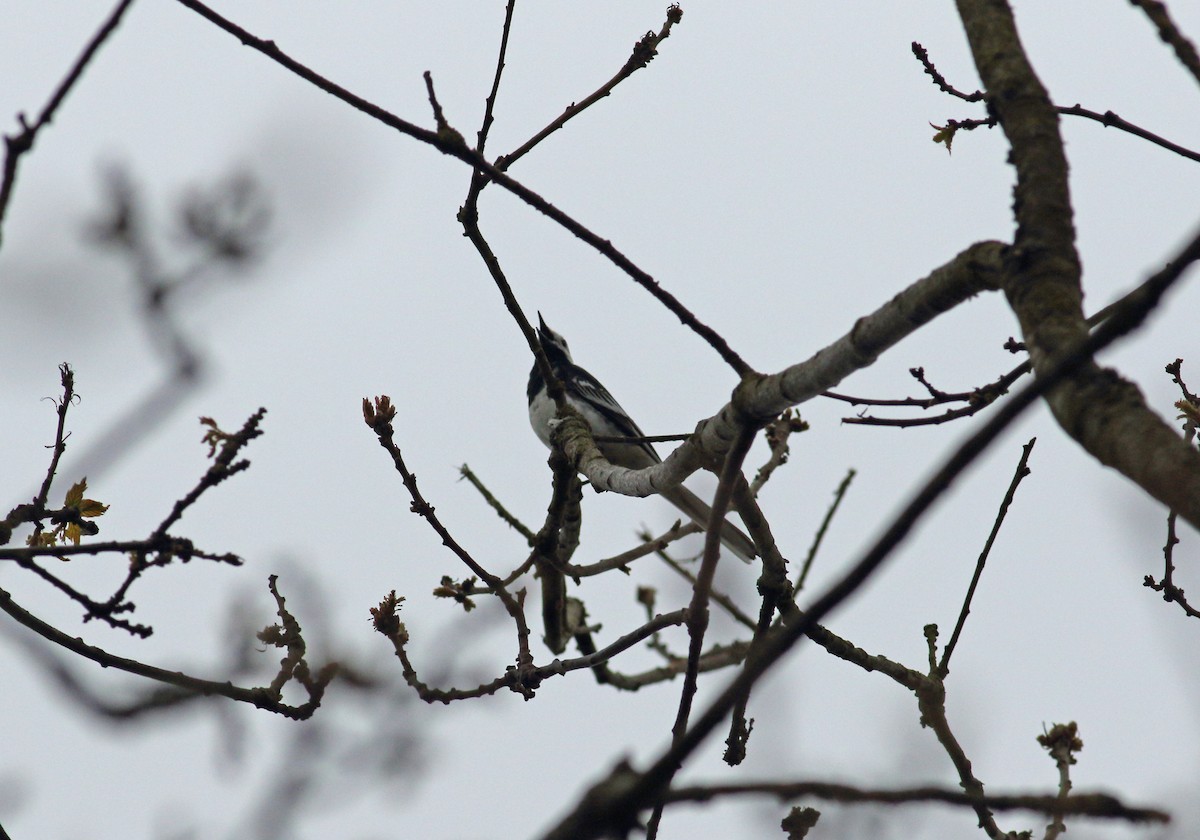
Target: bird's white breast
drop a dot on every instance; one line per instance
(541, 412)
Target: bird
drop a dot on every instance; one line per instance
(607, 419)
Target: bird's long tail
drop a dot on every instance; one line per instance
(699, 512)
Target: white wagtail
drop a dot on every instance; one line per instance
(608, 419)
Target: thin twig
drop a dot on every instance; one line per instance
(1190, 404)
(496, 505)
(108, 612)
(478, 181)
(931, 700)
(777, 432)
(594, 818)
(938, 79)
(164, 547)
(1155, 10)
(1018, 476)
(263, 698)
(17, 145)
(63, 404)
(553, 547)
(445, 130)
(643, 53)
(720, 598)
(547, 544)
(524, 681)
(713, 659)
(977, 400)
(819, 537)
(1176, 371)
(1184, 49)
(490, 104)
(621, 561)
(1171, 592)
(170, 545)
(1110, 120)
(1062, 741)
(159, 543)
(697, 623)
(379, 418)
(446, 143)
(701, 592)
(223, 467)
(1100, 805)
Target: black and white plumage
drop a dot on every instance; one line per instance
(607, 419)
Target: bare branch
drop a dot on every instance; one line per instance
(496, 505)
(17, 145)
(931, 698)
(777, 432)
(615, 807)
(521, 680)
(1190, 405)
(1100, 805)
(379, 418)
(67, 378)
(1102, 412)
(720, 598)
(643, 53)
(713, 659)
(1062, 742)
(1022, 470)
(838, 495)
(938, 79)
(697, 624)
(1184, 49)
(975, 400)
(478, 181)
(158, 549)
(553, 547)
(490, 104)
(760, 399)
(1108, 119)
(264, 698)
(698, 609)
(452, 144)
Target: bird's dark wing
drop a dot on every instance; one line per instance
(586, 388)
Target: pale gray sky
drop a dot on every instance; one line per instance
(773, 169)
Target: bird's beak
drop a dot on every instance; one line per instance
(544, 331)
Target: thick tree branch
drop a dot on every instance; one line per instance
(614, 803)
(1104, 413)
(760, 398)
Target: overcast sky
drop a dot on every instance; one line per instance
(773, 168)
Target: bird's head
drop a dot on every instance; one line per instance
(553, 345)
